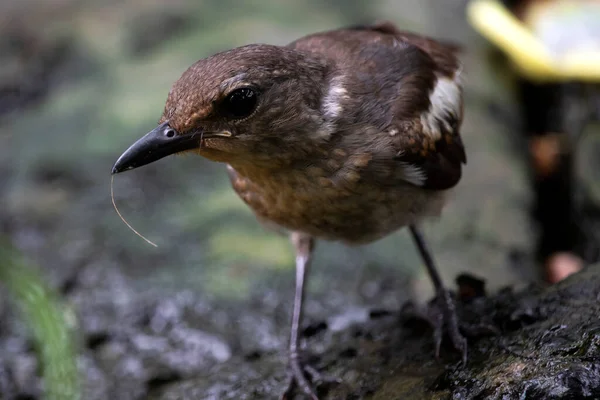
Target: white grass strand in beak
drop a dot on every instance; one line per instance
(112, 197)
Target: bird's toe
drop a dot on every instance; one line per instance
(305, 379)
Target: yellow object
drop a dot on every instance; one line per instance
(529, 53)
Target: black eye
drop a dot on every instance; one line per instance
(240, 103)
(169, 132)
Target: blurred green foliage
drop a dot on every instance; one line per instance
(49, 321)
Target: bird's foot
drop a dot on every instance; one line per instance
(447, 321)
(305, 379)
(441, 314)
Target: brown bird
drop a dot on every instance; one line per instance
(343, 135)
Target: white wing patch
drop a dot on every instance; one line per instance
(332, 102)
(412, 173)
(331, 107)
(445, 99)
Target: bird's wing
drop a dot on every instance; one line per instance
(415, 83)
(428, 142)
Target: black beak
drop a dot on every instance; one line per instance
(156, 144)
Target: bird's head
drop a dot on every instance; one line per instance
(241, 105)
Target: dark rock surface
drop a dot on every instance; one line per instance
(548, 348)
(183, 347)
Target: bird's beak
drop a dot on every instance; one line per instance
(160, 142)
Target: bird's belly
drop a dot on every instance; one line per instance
(361, 216)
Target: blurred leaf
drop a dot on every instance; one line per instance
(46, 317)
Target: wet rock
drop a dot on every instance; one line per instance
(194, 345)
(22, 370)
(548, 348)
(96, 385)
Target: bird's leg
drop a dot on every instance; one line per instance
(448, 318)
(300, 377)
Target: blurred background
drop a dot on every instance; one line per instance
(80, 80)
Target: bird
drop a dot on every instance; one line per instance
(343, 135)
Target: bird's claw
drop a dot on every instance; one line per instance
(450, 324)
(441, 315)
(305, 378)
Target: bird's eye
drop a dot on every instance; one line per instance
(169, 132)
(240, 103)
